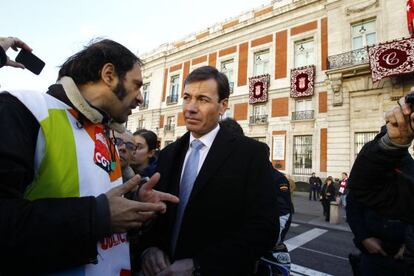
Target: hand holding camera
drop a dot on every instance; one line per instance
(25, 58)
(400, 121)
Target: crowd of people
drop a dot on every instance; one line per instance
(81, 195)
(332, 190)
(77, 193)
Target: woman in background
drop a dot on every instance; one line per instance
(144, 163)
(327, 195)
(144, 160)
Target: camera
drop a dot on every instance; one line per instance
(409, 99)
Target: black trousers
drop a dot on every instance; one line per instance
(326, 204)
(313, 191)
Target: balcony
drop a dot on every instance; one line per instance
(303, 115)
(348, 59)
(172, 99)
(258, 120)
(231, 84)
(169, 128)
(144, 105)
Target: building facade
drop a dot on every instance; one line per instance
(321, 132)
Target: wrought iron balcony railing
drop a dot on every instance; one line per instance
(258, 119)
(231, 84)
(172, 99)
(303, 115)
(352, 58)
(169, 128)
(144, 105)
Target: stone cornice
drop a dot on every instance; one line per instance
(361, 8)
(169, 49)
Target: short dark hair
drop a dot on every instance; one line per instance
(149, 136)
(85, 66)
(232, 125)
(208, 72)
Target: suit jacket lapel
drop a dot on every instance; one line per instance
(219, 151)
(176, 160)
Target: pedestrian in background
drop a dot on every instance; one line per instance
(315, 184)
(292, 184)
(343, 189)
(327, 196)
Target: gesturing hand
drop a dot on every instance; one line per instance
(128, 214)
(148, 194)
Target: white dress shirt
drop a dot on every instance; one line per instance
(207, 140)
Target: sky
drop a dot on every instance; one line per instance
(57, 29)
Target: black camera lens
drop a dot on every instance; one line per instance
(409, 98)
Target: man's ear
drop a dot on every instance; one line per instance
(223, 105)
(108, 74)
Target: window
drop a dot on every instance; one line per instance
(303, 110)
(140, 124)
(363, 34)
(261, 63)
(227, 68)
(259, 110)
(302, 154)
(304, 53)
(303, 105)
(169, 126)
(145, 96)
(174, 86)
(361, 138)
(259, 114)
(171, 120)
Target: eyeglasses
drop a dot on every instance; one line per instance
(129, 145)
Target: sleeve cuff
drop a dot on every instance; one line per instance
(103, 216)
(386, 143)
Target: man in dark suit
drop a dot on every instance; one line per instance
(227, 216)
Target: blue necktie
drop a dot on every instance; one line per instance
(186, 186)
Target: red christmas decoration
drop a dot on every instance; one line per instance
(258, 88)
(410, 17)
(391, 59)
(302, 81)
